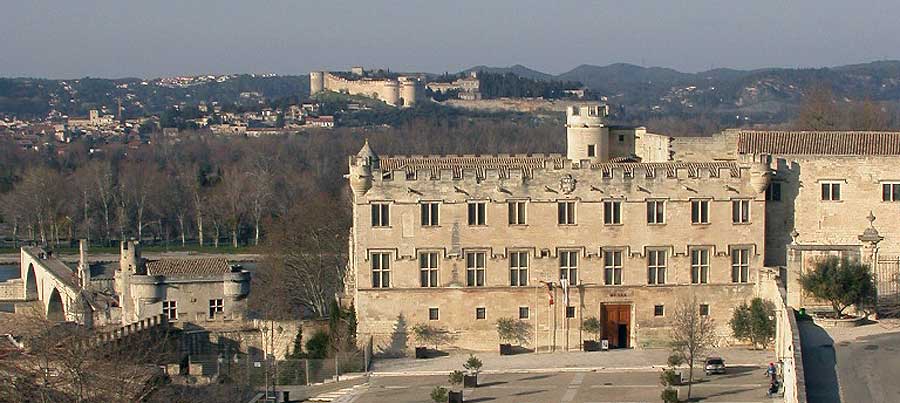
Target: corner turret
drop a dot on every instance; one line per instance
(760, 174)
(586, 136)
(361, 167)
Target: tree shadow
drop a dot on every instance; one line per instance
(529, 392)
(819, 364)
(486, 384)
(480, 399)
(399, 339)
(535, 377)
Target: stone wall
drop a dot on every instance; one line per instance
(787, 340)
(720, 146)
(12, 290)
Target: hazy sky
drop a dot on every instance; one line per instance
(151, 38)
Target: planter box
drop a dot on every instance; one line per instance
(421, 352)
(591, 345)
(455, 397)
(470, 381)
(506, 349)
(840, 323)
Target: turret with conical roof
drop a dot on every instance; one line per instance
(361, 167)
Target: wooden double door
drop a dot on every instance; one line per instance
(616, 325)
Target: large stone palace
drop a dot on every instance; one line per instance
(620, 228)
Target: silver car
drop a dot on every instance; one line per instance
(714, 365)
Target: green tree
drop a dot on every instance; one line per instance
(317, 345)
(297, 351)
(840, 281)
(754, 322)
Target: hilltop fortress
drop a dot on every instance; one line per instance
(394, 90)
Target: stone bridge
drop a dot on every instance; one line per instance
(47, 280)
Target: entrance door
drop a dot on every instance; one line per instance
(616, 324)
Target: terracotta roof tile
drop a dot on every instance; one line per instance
(188, 267)
(819, 142)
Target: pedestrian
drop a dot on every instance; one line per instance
(772, 372)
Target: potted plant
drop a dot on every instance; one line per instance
(456, 378)
(511, 331)
(426, 335)
(473, 367)
(592, 326)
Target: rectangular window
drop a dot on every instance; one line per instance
(659, 310)
(704, 310)
(381, 215)
(656, 212)
(740, 265)
(170, 310)
(428, 269)
(612, 212)
(216, 307)
(890, 192)
(699, 211)
(699, 266)
(477, 213)
(740, 211)
(430, 214)
(480, 313)
(570, 311)
(612, 267)
(518, 269)
(656, 266)
(475, 269)
(592, 150)
(566, 212)
(523, 312)
(773, 191)
(433, 314)
(568, 266)
(831, 191)
(381, 270)
(516, 212)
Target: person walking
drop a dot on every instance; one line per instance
(772, 372)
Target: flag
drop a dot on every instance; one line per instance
(564, 283)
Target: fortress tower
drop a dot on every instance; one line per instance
(586, 136)
(409, 90)
(316, 82)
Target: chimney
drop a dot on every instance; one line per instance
(84, 268)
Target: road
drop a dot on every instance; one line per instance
(741, 384)
(867, 369)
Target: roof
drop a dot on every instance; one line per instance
(818, 142)
(199, 267)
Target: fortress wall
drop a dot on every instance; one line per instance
(385, 90)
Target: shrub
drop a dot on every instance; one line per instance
(840, 281)
(456, 377)
(669, 377)
(318, 345)
(513, 331)
(755, 322)
(473, 364)
(439, 394)
(592, 326)
(669, 396)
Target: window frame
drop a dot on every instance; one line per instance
(831, 196)
(612, 271)
(704, 307)
(656, 215)
(699, 268)
(612, 212)
(700, 209)
(566, 212)
(480, 311)
(740, 264)
(659, 311)
(170, 309)
(773, 191)
(527, 312)
(571, 312)
(432, 269)
(741, 211)
(654, 269)
(216, 307)
(383, 259)
(890, 191)
(567, 270)
(437, 313)
(476, 213)
(517, 212)
(430, 213)
(472, 265)
(383, 217)
(518, 270)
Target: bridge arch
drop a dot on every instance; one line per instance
(55, 310)
(31, 287)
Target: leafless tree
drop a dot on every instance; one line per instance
(693, 334)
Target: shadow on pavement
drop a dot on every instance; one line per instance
(486, 384)
(819, 364)
(480, 399)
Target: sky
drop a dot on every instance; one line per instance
(155, 38)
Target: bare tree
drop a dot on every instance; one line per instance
(693, 335)
(818, 110)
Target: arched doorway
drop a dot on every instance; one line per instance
(31, 290)
(55, 311)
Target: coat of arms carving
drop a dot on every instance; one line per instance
(567, 184)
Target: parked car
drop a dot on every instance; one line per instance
(714, 365)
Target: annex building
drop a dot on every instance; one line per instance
(618, 229)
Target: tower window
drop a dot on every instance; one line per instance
(592, 150)
(566, 212)
(612, 212)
